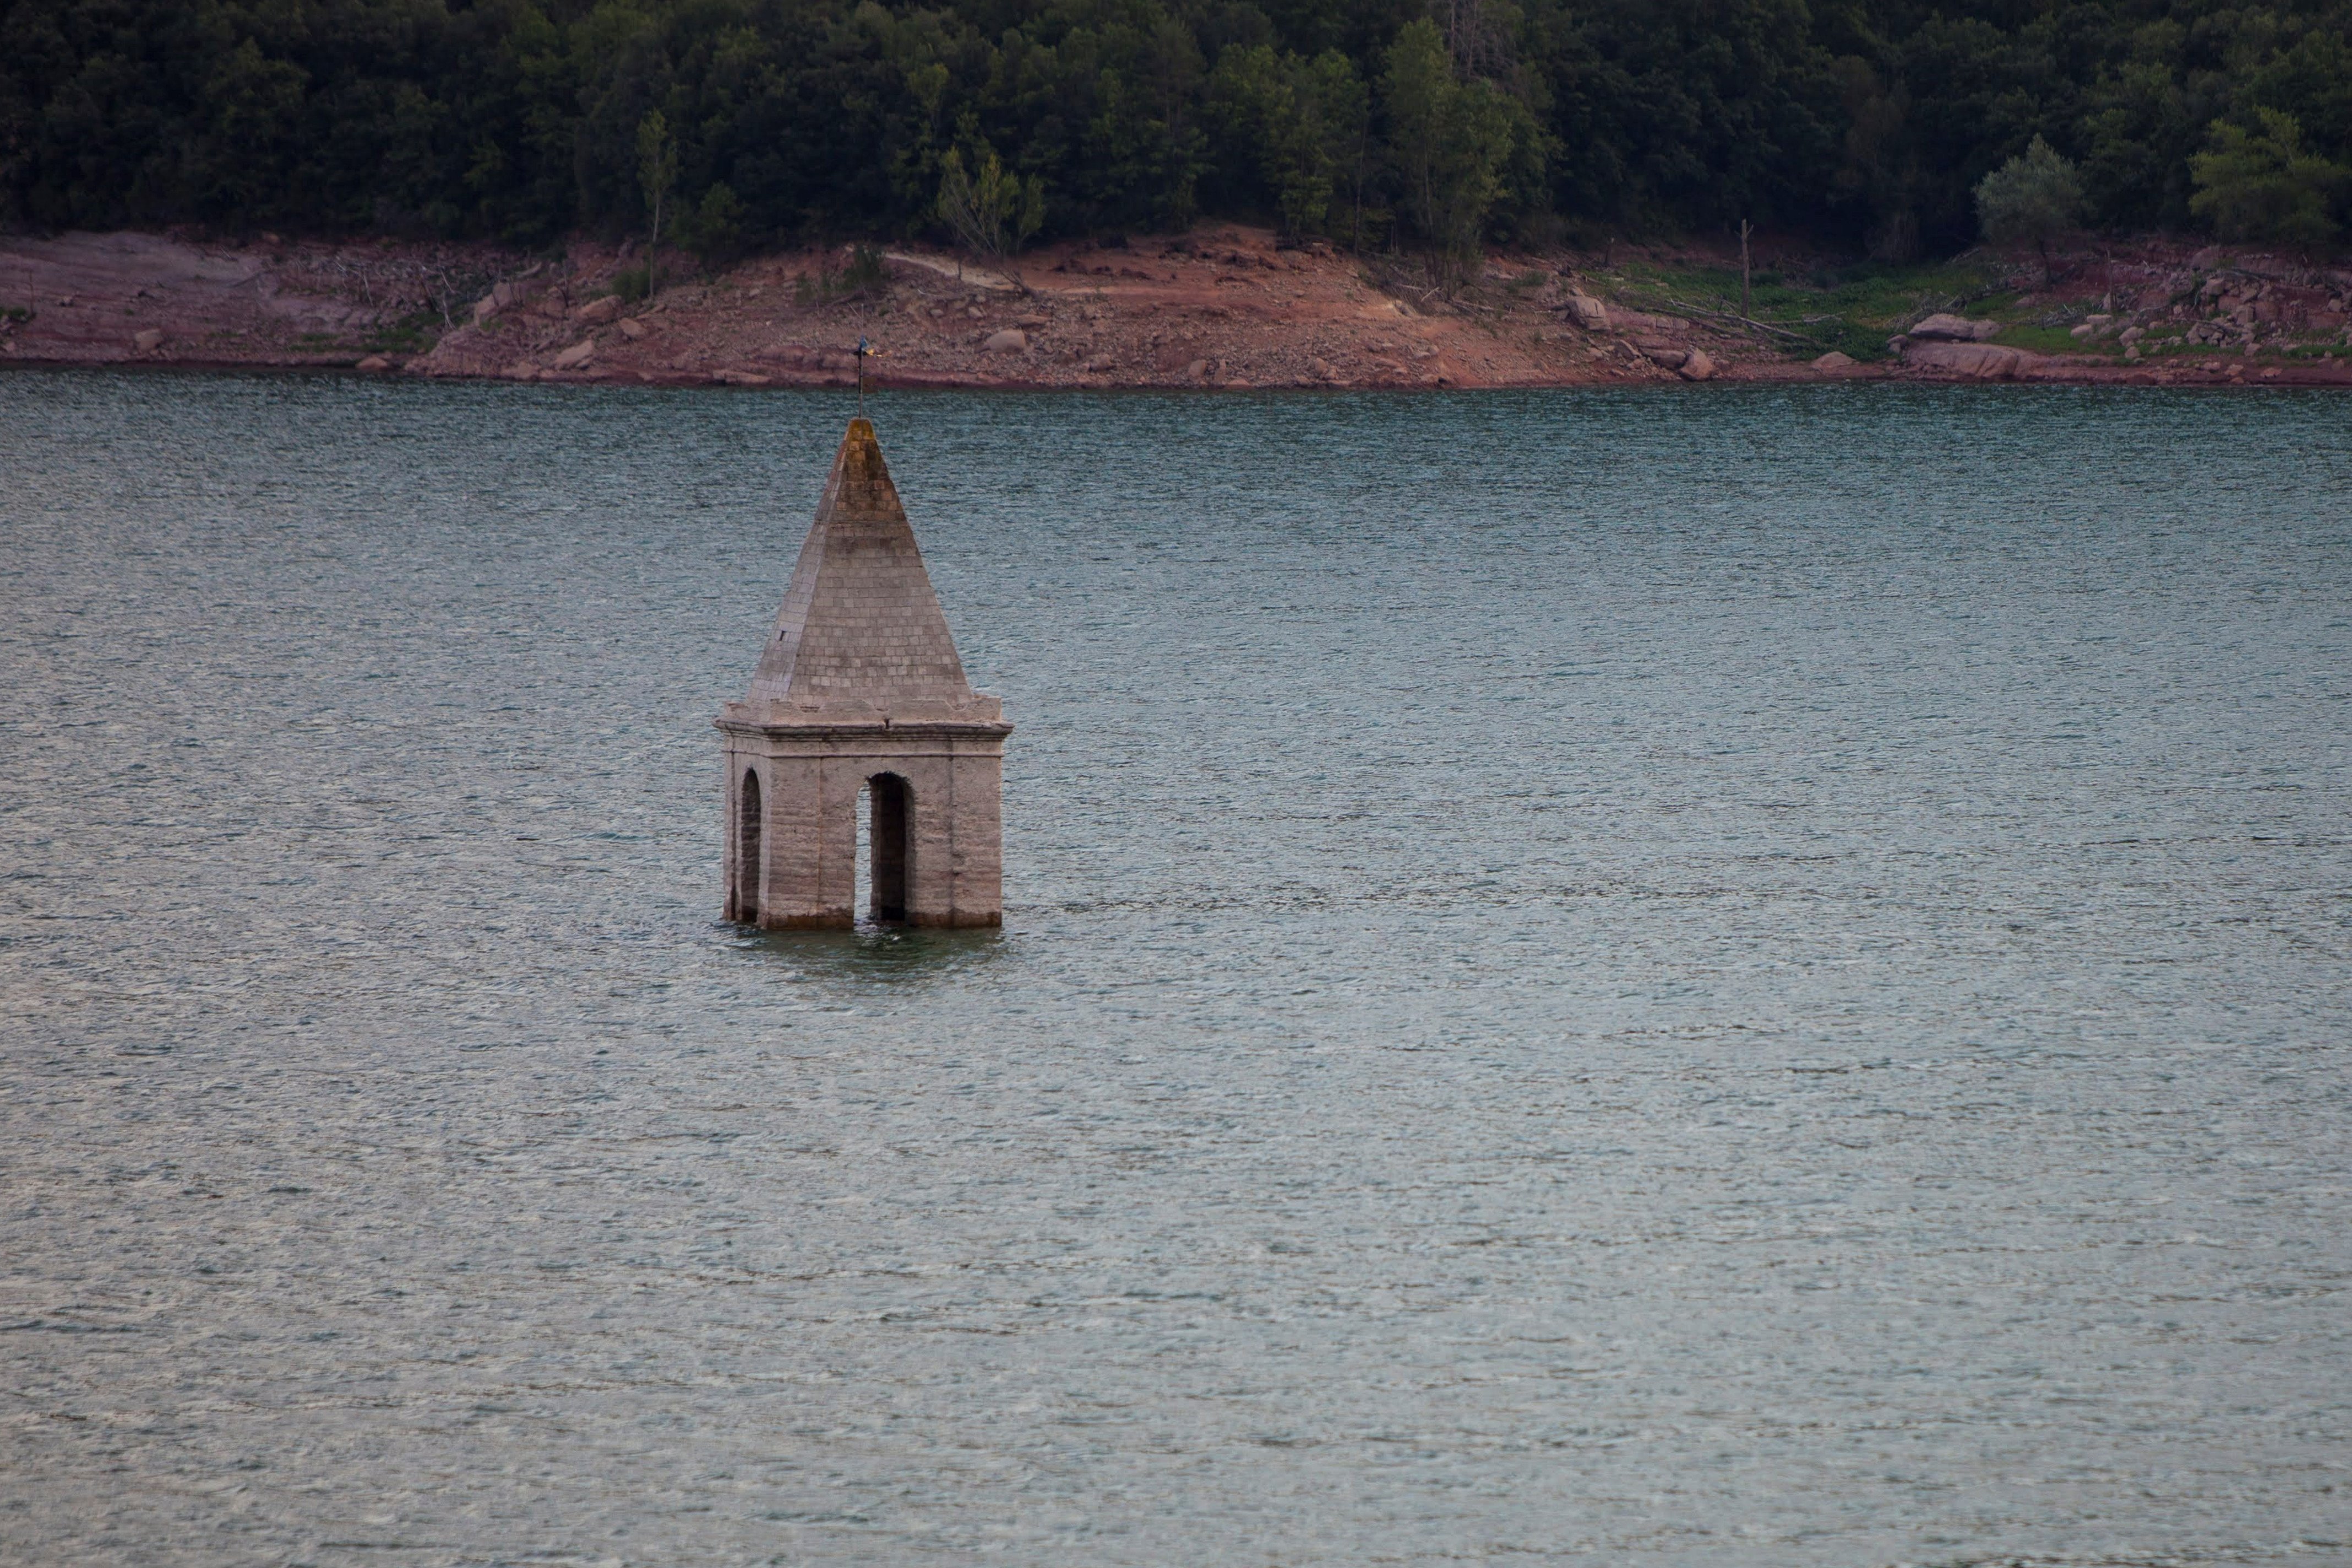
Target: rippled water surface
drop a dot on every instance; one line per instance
(1709, 977)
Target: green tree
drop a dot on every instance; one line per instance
(716, 225)
(2264, 185)
(1341, 105)
(1449, 141)
(2037, 195)
(657, 169)
(1305, 122)
(994, 211)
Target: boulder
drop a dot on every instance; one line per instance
(1955, 330)
(632, 328)
(1666, 356)
(738, 378)
(599, 310)
(496, 299)
(1834, 361)
(1588, 313)
(578, 354)
(1008, 339)
(1198, 369)
(1696, 366)
(522, 369)
(2131, 335)
(148, 342)
(1977, 361)
(374, 361)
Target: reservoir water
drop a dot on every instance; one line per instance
(1707, 976)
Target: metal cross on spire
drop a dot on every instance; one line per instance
(865, 351)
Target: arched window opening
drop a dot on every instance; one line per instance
(885, 820)
(747, 851)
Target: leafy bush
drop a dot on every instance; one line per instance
(864, 275)
(2036, 196)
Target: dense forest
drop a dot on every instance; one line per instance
(1429, 123)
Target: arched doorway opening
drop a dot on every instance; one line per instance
(747, 851)
(886, 814)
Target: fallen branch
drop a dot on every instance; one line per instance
(1743, 320)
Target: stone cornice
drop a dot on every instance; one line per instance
(819, 728)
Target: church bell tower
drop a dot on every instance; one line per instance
(859, 688)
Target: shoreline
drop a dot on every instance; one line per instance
(1223, 308)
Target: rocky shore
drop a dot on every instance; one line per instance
(1222, 307)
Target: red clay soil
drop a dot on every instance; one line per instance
(1221, 307)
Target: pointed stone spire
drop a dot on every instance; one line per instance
(861, 634)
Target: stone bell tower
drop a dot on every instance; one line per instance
(860, 689)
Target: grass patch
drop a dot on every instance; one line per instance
(410, 334)
(2052, 341)
(1853, 310)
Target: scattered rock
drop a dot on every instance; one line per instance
(1978, 361)
(1697, 367)
(1955, 330)
(1031, 321)
(1588, 313)
(374, 361)
(2206, 259)
(632, 328)
(578, 354)
(599, 310)
(148, 342)
(2131, 335)
(1833, 361)
(1007, 340)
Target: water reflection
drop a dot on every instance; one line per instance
(873, 953)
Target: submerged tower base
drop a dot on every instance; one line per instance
(937, 826)
(860, 689)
